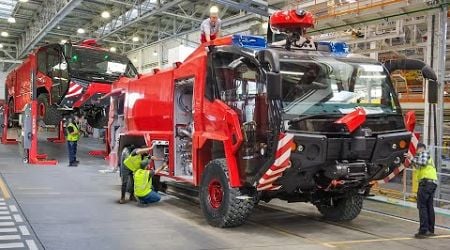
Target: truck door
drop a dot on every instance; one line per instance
(57, 70)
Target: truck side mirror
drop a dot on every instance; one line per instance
(274, 89)
(433, 90)
(68, 50)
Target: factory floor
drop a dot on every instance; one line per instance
(60, 207)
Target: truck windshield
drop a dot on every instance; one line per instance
(335, 86)
(99, 66)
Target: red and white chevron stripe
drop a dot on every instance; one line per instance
(282, 162)
(399, 169)
(74, 90)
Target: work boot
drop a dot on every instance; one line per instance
(122, 201)
(420, 235)
(132, 198)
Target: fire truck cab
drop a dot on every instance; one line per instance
(245, 121)
(68, 78)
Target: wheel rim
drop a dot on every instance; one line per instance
(41, 109)
(215, 192)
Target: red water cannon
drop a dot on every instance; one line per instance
(291, 21)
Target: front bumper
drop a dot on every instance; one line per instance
(352, 158)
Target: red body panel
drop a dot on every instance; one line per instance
(149, 111)
(353, 120)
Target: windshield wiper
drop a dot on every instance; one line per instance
(304, 117)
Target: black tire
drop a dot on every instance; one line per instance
(344, 209)
(51, 114)
(99, 120)
(229, 211)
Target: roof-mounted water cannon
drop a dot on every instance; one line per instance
(293, 23)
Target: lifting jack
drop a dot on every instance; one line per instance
(30, 137)
(4, 116)
(102, 153)
(61, 138)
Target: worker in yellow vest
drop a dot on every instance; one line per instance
(427, 179)
(133, 159)
(72, 137)
(143, 188)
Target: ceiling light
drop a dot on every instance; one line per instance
(135, 39)
(135, 60)
(58, 27)
(4, 34)
(155, 53)
(63, 41)
(23, 1)
(1, 45)
(113, 49)
(105, 14)
(81, 31)
(11, 20)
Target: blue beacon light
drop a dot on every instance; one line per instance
(251, 42)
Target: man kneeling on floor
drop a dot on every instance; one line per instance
(135, 166)
(143, 189)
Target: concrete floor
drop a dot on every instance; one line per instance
(75, 208)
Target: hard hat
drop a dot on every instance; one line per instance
(214, 11)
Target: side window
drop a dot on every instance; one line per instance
(231, 77)
(42, 61)
(53, 60)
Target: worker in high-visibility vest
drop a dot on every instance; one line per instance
(72, 137)
(427, 179)
(143, 188)
(132, 160)
(136, 160)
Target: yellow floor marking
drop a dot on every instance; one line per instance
(381, 240)
(4, 189)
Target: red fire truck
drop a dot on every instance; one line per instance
(65, 82)
(245, 122)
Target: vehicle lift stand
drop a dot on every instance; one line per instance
(4, 127)
(102, 153)
(30, 137)
(61, 137)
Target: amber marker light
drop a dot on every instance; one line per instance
(293, 146)
(402, 144)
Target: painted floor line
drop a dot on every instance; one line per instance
(31, 245)
(13, 208)
(4, 212)
(3, 208)
(18, 218)
(5, 217)
(24, 230)
(6, 224)
(10, 237)
(401, 218)
(11, 245)
(8, 230)
(4, 189)
(381, 240)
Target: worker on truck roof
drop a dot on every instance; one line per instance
(210, 28)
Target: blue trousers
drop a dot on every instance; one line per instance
(72, 146)
(150, 198)
(425, 196)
